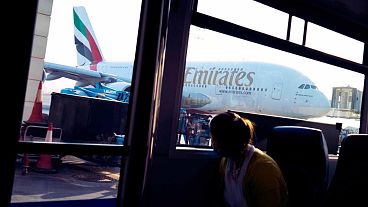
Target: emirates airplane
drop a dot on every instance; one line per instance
(209, 87)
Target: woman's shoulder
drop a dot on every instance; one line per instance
(265, 171)
(262, 160)
(259, 154)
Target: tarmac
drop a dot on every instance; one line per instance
(72, 179)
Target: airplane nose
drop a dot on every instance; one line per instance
(325, 102)
(323, 105)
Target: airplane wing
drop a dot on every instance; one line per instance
(83, 77)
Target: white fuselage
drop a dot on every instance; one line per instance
(214, 87)
(210, 87)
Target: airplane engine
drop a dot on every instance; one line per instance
(195, 100)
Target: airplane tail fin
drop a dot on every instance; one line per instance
(88, 50)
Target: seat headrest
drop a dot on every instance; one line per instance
(288, 135)
(355, 145)
(297, 140)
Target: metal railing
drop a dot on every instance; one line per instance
(38, 133)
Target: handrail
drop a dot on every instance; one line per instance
(41, 127)
(38, 147)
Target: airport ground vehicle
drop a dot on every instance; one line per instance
(88, 119)
(81, 119)
(99, 91)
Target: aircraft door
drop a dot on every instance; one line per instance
(276, 91)
(219, 89)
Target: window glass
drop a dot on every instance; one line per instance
(78, 92)
(82, 35)
(331, 42)
(297, 30)
(221, 68)
(245, 12)
(65, 178)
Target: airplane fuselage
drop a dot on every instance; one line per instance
(210, 87)
(214, 87)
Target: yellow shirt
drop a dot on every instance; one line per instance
(264, 185)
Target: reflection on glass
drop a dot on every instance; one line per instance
(194, 129)
(233, 74)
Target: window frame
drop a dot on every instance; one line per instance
(211, 23)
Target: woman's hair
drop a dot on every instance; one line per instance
(231, 132)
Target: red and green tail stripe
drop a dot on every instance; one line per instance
(93, 54)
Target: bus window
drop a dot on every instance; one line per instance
(225, 66)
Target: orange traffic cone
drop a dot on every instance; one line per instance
(44, 163)
(48, 137)
(36, 115)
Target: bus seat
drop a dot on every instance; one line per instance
(302, 155)
(349, 185)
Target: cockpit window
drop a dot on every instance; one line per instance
(307, 86)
